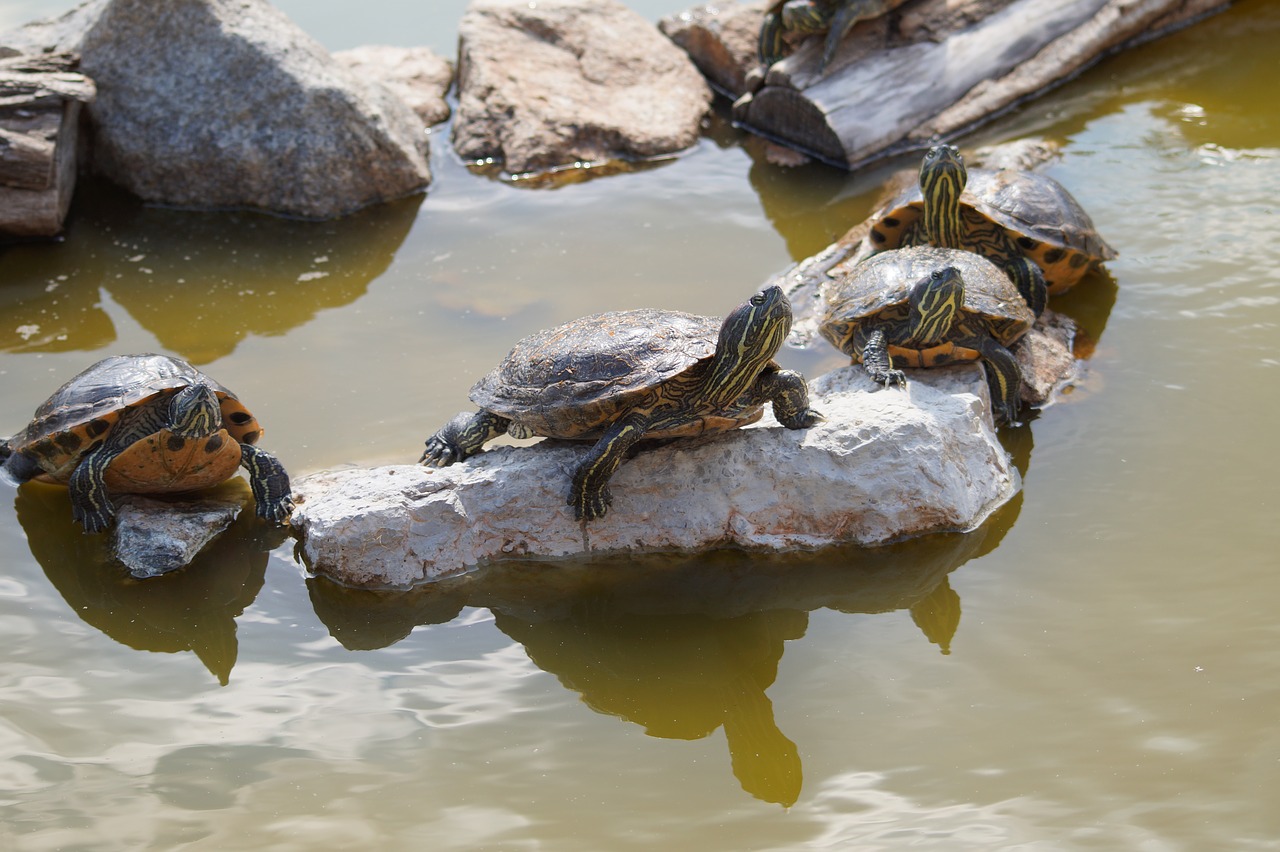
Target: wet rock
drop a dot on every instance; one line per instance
(231, 105)
(1045, 358)
(416, 74)
(558, 82)
(884, 465)
(153, 537)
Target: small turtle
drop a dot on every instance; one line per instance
(144, 424)
(928, 307)
(809, 17)
(1008, 216)
(616, 378)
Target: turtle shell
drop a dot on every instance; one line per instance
(574, 380)
(1045, 220)
(878, 289)
(81, 413)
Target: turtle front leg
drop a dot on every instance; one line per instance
(877, 361)
(789, 393)
(590, 496)
(1028, 277)
(462, 437)
(271, 490)
(1004, 380)
(90, 503)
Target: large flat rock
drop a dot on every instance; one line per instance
(559, 82)
(227, 103)
(884, 465)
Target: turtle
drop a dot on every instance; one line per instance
(924, 306)
(616, 378)
(808, 17)
(1009, 216)
(144, 424)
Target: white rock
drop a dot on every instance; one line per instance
(557, 82)
(885, 465)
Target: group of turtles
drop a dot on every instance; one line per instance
(957, 268)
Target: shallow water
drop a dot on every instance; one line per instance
(1095, 668)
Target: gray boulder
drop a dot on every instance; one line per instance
(153, 537)
(884, 465)
(559, 82)
(226, 103)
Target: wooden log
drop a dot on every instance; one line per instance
(938, 68)
(40, 100)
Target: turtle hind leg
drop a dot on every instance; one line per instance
(789, 393)
(462, 437)
(271, 490)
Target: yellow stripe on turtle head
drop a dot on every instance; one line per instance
(935, 303)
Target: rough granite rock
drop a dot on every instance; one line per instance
(885, 465)
(416, 74)
(558, 82)
(153, 537)
(721, 40)
(227, 103)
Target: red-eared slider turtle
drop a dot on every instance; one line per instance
(616, 378)
(927, 307)
(1006, 215)
(809, 17)
(144, 424)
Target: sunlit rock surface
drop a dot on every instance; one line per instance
(153, 537)
(226, 103)
(886, 464)
(416, 74)
(557, 82)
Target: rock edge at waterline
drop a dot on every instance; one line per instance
(886, 464)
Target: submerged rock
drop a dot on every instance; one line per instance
(884, 465)
(226, 103)
(558, 82)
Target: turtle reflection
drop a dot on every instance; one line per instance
(682, 646)
(193, 609)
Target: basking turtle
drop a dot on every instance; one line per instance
(1008, 216)
(927, 307)
(144, 424)
(616, 378)
(808, 17)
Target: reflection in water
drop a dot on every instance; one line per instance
(678, 676)
(682, 646)
(200, 282)
(193, 609)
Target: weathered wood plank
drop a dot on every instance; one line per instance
(941, 68)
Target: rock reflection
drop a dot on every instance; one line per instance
(682, 645)
(200, 282)
(193, 609)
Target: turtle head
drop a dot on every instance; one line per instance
(749, 338)
(194, 412)
(942, 180)
(935, 302)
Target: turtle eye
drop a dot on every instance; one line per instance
(936, 275)
(757, 299)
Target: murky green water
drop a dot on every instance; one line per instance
(1113, 675)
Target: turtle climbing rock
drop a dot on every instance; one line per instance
(1008, 216)
(144, 424)
(617, 378)
(928, 307)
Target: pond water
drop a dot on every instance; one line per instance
(1097, 667)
